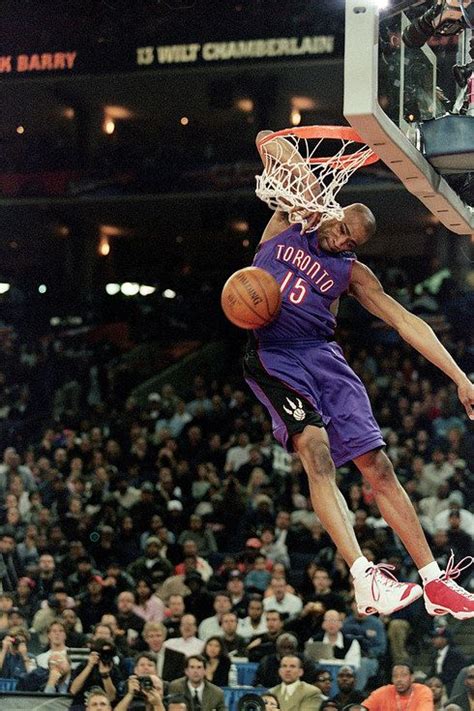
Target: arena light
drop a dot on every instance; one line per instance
(109, 127)
(42, 289)
(104, 247)
(4, 287)
(129, 288)
(169, 294)
(112, 289)
(146, 290)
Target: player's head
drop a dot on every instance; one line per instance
(346, 235)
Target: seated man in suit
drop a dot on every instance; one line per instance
(292, 693)
(53, 680)
(144, 688)
(169, 662)
(200, 693)
(466, 699)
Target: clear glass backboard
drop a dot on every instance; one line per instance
(391, 90)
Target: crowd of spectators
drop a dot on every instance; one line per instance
(168, 539)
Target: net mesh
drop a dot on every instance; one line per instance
(299, 178)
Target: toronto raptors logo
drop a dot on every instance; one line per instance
(296, 409)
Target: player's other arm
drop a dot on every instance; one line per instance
(273, 153)
(366, 288)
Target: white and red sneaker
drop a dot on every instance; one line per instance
(377, 590)
(443, 596)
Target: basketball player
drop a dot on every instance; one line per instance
(320, 408)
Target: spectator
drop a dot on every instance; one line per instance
(149, 606)
(202, 537)
(211, 626)
(151, 565)
(24, 598)
(370, 633)
(255, 623)
(200, 693)
(274, 550)
(323, 681)
(455, 505)
(97, 700)
(199, 602)
(56, 643)
(144, 687)
(99, 670)
(234, 644)
(188, 644)
(267, 673)
(169, 662)
(347, 693)
(217, 661)
(283, 601)
(94, 603)
(439, 692)
(175, 612)
(235, 588)
(449, 660)
(53, 680)
(258, 578)
(397, 694)
(323, 593)
(193, 561)
(265, 643)
(127, 620)
(465, 700)
(292, 692)
(15, 660)
(73, 628)
(10, 564)
(344, 647)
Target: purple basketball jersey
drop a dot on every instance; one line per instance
(295, 372)
(310, 280)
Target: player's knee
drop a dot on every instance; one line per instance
(315, 453)
(380, 471)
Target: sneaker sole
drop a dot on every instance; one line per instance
(408, 601)
(437, 610)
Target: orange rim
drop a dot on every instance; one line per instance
(346, 133)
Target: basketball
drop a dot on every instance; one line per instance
(251, 298)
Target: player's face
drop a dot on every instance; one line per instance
(343, 235)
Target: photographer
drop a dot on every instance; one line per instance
(145, 689)
(15, 661)
(99, 670)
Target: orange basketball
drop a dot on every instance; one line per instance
(251, 298)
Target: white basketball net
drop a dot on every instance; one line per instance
(299, 187)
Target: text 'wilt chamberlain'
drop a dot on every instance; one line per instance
(306, 264)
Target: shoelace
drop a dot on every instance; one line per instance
(454, 571)
(385, 570)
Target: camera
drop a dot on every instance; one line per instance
(145, 682)
(444, 18)
(251, 702)
(105, 649)
(15, 642)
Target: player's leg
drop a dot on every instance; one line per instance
(394, 504)
(442, 595)
(298, 426)
(312, 445)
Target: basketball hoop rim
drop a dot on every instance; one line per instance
(345, 133)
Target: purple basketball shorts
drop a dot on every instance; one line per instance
(312, 384)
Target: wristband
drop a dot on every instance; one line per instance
(105, 675)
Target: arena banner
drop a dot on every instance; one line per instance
(235, 50)
(81, 60)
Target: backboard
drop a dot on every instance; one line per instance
(391, 89)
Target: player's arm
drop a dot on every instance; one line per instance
(366, 288)
(280, 150)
